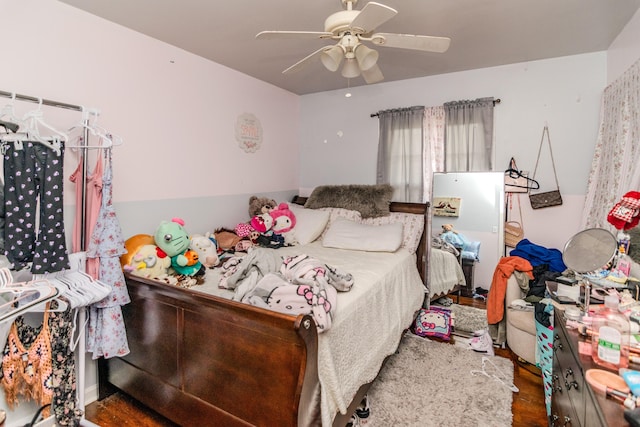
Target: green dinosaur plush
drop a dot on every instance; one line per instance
(173, 240)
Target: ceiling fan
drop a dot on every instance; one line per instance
(350, 28)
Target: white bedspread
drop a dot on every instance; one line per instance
(445, 272)
(368, 320)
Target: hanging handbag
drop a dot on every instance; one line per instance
(548, 198)
(515, 181)
(513, 230)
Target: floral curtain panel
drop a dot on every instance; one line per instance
(434, 146)
(615, 169)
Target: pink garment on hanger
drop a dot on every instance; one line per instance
(93, 200)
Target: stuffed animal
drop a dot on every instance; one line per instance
(274, 228)
(243, 230)
(284, 220)
(452, 237)
(145, 262)
(262, 223)
(206, 248)
(448, 227)
(260, 205)
(133, 244)
(192, 268)
(173, 241)
(227, 239)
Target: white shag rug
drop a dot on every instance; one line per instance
(469, 319)
(428, 383)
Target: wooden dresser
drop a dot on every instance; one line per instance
(573, 402)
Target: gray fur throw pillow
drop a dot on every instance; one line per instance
(370, 200)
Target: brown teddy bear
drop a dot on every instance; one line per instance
(448, 227)
(260, 205)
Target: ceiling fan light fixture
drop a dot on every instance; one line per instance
(332, 57)
(349, 29)
(366, 57)
(372, 75)
(350, 69)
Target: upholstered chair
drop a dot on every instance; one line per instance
(520, 324)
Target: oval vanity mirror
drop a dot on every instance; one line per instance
(589, 250)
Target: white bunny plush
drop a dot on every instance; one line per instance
(206, 248)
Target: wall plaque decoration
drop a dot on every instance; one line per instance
(248, 132)
(446, 206)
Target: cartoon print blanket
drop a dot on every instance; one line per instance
(299, 284)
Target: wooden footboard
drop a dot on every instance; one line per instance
(203, 360)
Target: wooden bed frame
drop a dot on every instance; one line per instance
(198, 359)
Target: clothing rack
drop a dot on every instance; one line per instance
(495, 101)
(80, 389)
(42, 101)
(64, 105)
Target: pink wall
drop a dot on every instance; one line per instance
(175, 111)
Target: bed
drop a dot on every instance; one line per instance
(199, 358)
(445, 273)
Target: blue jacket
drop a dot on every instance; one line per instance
(538, 255)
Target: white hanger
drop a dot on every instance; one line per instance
(6, 278)
(27, 290)
(34, 120)
(495, 374)
(25, 297)
(62, 305)
(106, 139)
(67, 290)
(79, 288)
(8, 112)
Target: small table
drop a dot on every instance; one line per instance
(467, 269)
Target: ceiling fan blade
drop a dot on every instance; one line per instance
(372, 75)
(410, 41)
(304, 61)
(371, 16)
(268, 35)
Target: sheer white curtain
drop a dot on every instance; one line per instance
(615, 169)
(469, 135)
(408, 157)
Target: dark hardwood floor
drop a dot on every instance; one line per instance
(528, 404)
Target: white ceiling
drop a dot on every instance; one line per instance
(483, 33)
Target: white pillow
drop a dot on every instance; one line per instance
(412, 224)
(310, 223)
(335, 213)
(345, 234)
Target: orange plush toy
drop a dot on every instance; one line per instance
(133, 244)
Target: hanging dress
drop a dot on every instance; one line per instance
(106, 334)
(65, 399)
(93, 202)
(27, 363)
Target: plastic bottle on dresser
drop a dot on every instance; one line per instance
(610, 339)
(624, 241)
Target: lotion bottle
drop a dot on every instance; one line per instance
(610, 339)
(624, 240)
